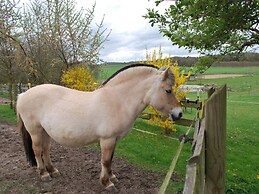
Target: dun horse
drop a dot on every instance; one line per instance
(74, 118)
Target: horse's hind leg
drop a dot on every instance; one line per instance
(46, 156)
(107, 149)
(37, 142)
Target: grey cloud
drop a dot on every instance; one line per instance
(137, 42)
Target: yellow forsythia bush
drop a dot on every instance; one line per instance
(180, 79)
(79, 78)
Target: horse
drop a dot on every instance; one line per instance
(76, 118)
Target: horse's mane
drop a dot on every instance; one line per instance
(126, 68)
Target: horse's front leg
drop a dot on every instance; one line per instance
(107, 150)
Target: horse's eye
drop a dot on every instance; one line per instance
(168, 91)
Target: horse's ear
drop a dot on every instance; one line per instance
(165, 74)
(168, 75)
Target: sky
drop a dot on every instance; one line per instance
(131, 36)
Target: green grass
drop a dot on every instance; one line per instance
(242, 136)
(242, 148)
(156, 152)
(108, 70)
(232, 70)
(7, 115)
(242, 129)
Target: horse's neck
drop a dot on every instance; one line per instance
(134, 93)
(130, 75)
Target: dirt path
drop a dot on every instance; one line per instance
(79, 169)
(218, 76)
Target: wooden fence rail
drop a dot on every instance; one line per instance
(184, 103)
(206, 168)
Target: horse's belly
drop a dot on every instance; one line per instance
(68, 128)
(73, 140)
(82, 129)
(71, 135)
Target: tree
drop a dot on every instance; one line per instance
(204, 63)
(9, 19)
(48, 37)
(79, 78)
(57, 36)
(224, 26)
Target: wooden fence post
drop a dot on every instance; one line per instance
(215, 140)
(195, 173)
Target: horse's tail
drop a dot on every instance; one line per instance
(27, 142)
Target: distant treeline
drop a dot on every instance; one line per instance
(238, 60)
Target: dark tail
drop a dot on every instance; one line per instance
(27, 142)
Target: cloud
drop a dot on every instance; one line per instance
(131, 34)
(132, 46)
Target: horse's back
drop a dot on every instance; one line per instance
(36, 100)
(65, 114)
(44, 91)
(45, 98)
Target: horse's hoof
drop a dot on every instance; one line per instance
(55, 173)
(45, 177)
(114, 179)
(111, 188)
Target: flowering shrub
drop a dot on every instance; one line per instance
(180, 79)
(79, 78)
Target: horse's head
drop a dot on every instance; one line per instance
(162, 96)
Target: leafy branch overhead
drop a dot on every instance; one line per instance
(226, 26)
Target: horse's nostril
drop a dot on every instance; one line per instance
(176, 117)
(176, 113)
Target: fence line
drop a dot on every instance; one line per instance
(205, 171)
(150, 133)
(206, 168)
(244, 102)
(172, 166)
(195, 172)
(186, 122)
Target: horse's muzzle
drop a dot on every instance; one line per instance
(176, 114)
(174, 118)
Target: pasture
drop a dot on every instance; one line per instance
(242, 128)
(156, 152)
(242, 166)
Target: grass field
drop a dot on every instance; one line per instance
(242, 129)
(156, 152)
(234, 70)
(242, 135)
(108, 70)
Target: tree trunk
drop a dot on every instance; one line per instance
(14, 96)
(166, 131)
(11, 94)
